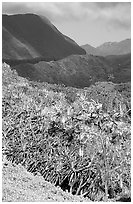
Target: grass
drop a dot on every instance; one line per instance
(18, 185)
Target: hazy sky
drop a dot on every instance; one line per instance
(85, 22)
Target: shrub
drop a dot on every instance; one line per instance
(81, 149)
(78, 146)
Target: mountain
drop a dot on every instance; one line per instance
(91, 50)
(116, 48)
(79, 70)
(110, 48)
(28, 36)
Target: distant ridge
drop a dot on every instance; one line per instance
(91, 50)
(110, 48)
(27, 36)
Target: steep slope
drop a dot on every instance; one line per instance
(26, 36)
(14, 48)
(37, 119)
(109, 48)
(79, 70)
(18, 185)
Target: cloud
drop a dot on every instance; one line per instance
(112, 14)
(117, 16)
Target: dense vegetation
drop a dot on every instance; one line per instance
(18, 185)
(14, 62)
(76, 70)
(76, 139)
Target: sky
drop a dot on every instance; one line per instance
(85, 22)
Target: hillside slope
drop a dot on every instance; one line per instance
(121, 67)
(27, 36)
(40, 117)
(22, 186)
(79, 70)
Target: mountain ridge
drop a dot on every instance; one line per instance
(109, 48)
(34, 36)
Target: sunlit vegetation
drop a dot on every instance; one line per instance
(78, 139)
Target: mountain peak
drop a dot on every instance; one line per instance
(106, 44)
(110, 48)
(27, 36)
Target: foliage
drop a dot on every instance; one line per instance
(79, 146)
(18, 185)
(112, 96)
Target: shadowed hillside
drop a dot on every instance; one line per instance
(27, 36)
(79, 70)
(121, 67)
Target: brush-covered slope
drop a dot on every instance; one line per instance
(79, 70)
(75, 70)
(109, 48)
(22, 186)
(27, 36)
(121, 67)
(57, 134)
